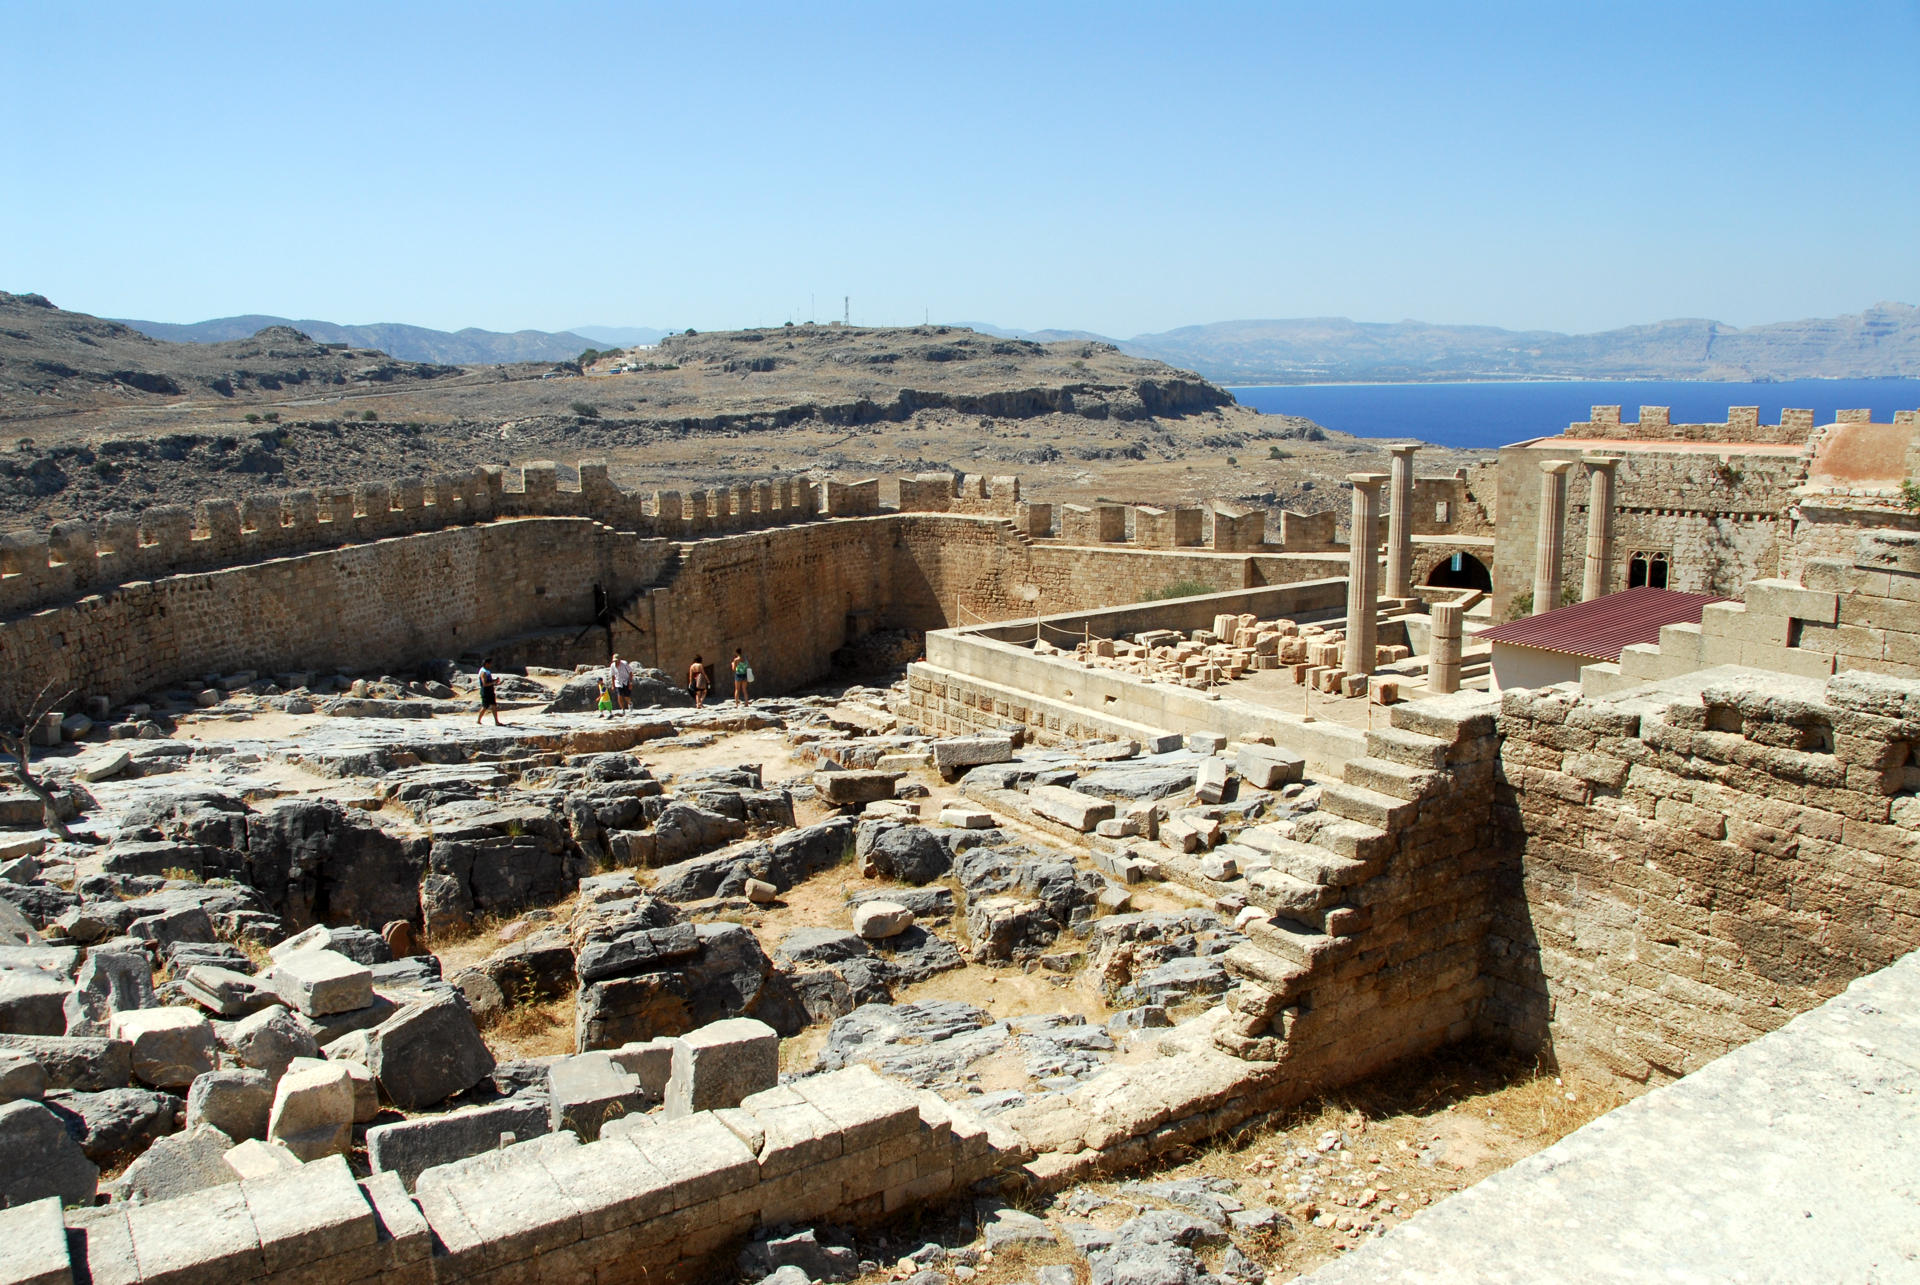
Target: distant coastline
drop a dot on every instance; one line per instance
(1484, 414)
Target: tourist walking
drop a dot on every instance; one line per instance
(489, 695)
(622, 675)
(742, 675)
(699, 682)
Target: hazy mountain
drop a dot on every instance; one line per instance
(621, 336)
(407, 343)
(1882, 341)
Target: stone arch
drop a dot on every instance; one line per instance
(1459, 571)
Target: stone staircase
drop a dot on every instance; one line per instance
(1320, 877)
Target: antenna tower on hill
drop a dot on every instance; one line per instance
(846, 310)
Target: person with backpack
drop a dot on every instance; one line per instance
(742, 675)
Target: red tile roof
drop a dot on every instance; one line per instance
(1599, 629)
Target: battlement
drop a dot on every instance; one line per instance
(1741, 425)
(76, 558)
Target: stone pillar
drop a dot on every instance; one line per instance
(1400, 524)
(1443, 652)
(1363, 572)
(1553, 525)
(1599, 577)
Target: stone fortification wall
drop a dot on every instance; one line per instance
(76, 558)
(1698, 861)
(1741, 425)
(368, 606)
(656, 1203)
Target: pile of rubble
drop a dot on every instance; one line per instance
(1236, 646)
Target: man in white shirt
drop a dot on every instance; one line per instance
(622, 675)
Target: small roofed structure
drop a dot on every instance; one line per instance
(1549, 648)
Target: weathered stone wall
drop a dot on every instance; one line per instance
(1716, 518)
(1697, 862)
(77, 557)
(1656, 425)
(662, 1203)
(369, 606)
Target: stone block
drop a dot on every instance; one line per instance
(238, 1103)
(270, 1039)
(854, 788)
(427, 1052)
(224, 992)
(21, 1076)
(1205, 742)
(867, 1108)
(312, 1114)
(1268, 768)
(32, 1002)
(322, 982)
(171, 1046)
(956, 753)
(310, 1214)
(109, 982)
(42, 1158)
(877, 920)
(1070, 808)
(1210, 782)
(408, 1148)
(791, 1133)
(966, 818)
(206, 1236)
(258, 1158)
(83, 1064)
(178, 1165)
(721, 1063)
(587, 1090)
(652, 1061)
(35, 1237)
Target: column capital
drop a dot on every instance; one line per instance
(1407, 449)
(1555, 467)
(1598, 462)
(1367, 481)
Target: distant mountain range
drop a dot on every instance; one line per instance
(407, 343)
(1883, 341)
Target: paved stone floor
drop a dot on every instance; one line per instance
(1795, 1158)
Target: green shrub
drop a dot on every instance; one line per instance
(1179, 589)
(272, 417)
(368, 416)
(252, 418)
(1275, 453)
(585, 410)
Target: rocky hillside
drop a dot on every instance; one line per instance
(54, 363)
(126, 422)
(407, 343)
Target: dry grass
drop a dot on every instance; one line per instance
(540, 1029)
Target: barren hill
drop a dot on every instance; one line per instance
(95, 417)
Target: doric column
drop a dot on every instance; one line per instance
(1443, 651)
(1553, 525)
(1400, 524)
(1599, 577)
(1363, 572)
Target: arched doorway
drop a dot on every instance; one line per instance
(1461, 571)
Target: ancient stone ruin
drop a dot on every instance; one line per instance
(306, 974)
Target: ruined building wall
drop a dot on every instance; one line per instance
(366, 607)
(1693, 868)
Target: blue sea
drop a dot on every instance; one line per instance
(1488, 415)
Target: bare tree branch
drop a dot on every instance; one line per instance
(19, 745)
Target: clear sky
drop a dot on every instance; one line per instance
(1114, 167)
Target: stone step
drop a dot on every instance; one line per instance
(1291, 942)
(1396, 779)
(1265, 969)
(1350, 839)
(1369, 807)
(1272, 888)
(1447, 718)
(1411, 748)
(1305, 861)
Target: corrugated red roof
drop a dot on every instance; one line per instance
(1599, 629)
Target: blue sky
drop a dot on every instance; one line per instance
(1113, 167)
